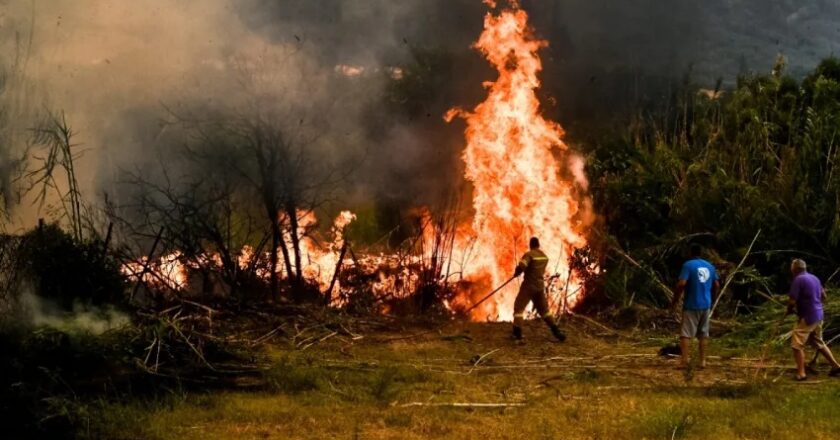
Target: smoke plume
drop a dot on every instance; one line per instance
(117, 69)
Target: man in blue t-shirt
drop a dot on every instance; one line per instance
(699, 282)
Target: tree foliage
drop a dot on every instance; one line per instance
(717, 166)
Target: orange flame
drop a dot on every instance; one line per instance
(525, 180)
(512, 161)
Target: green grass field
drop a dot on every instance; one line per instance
(470, 381)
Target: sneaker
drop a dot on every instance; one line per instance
(558, 333)
(834, 372)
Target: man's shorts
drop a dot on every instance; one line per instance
(695, 323)
(804, 334)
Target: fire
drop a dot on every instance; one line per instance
(319, 264)
(318, 261)
(511, 159)
(525, 182)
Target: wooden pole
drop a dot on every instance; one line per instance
(328, 293)
(146, 264)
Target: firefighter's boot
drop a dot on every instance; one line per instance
(549, 320)
(517, 332)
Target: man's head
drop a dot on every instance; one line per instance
(695, 250)
(534, 243)
(797, 266)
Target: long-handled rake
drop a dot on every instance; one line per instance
(496, 290)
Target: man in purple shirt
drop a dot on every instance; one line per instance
(806, 297)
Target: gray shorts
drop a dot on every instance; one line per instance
(695, 323)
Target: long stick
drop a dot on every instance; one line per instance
(490, 294)
(732, 275)
(774, 332)
(665, 289)
(817, 353)
(328, 293)
(146, 264)
(460, 404)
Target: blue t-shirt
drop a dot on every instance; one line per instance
(699, 276)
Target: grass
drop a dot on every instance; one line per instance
(781, 413)
(591, 387)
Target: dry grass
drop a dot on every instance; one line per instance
(594, 386)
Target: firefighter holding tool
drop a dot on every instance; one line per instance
(533, 265)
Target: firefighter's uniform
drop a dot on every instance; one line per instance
(533, 265)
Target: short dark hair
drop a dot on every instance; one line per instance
(696, 249)
(534, 243)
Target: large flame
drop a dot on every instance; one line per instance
(513, 159)
(525, 183)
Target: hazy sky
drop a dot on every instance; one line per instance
(113, 64)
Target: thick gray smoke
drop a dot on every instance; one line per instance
(114, 67)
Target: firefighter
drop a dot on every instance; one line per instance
(533, 265)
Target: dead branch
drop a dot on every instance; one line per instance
(598, 324)
(481, 359)
(146, 265)
(665, 289)
(459, 404)
(319, 340)
(732, 274)
(268, 335)
(336, 273)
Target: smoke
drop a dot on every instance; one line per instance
(118, 68)
(40, 312)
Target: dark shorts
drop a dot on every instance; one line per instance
(527, 295)
(695, 323)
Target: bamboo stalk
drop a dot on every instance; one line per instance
(732, 275)
(665, 289)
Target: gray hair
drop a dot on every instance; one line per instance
(798, 265)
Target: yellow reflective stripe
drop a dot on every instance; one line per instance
(539, 258)
(548, 315)
(518, 315)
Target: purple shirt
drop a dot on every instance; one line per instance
(806, 291)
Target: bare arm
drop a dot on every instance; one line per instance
(823, 296)
(793, 295)
(715, 291)
(791, 306)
